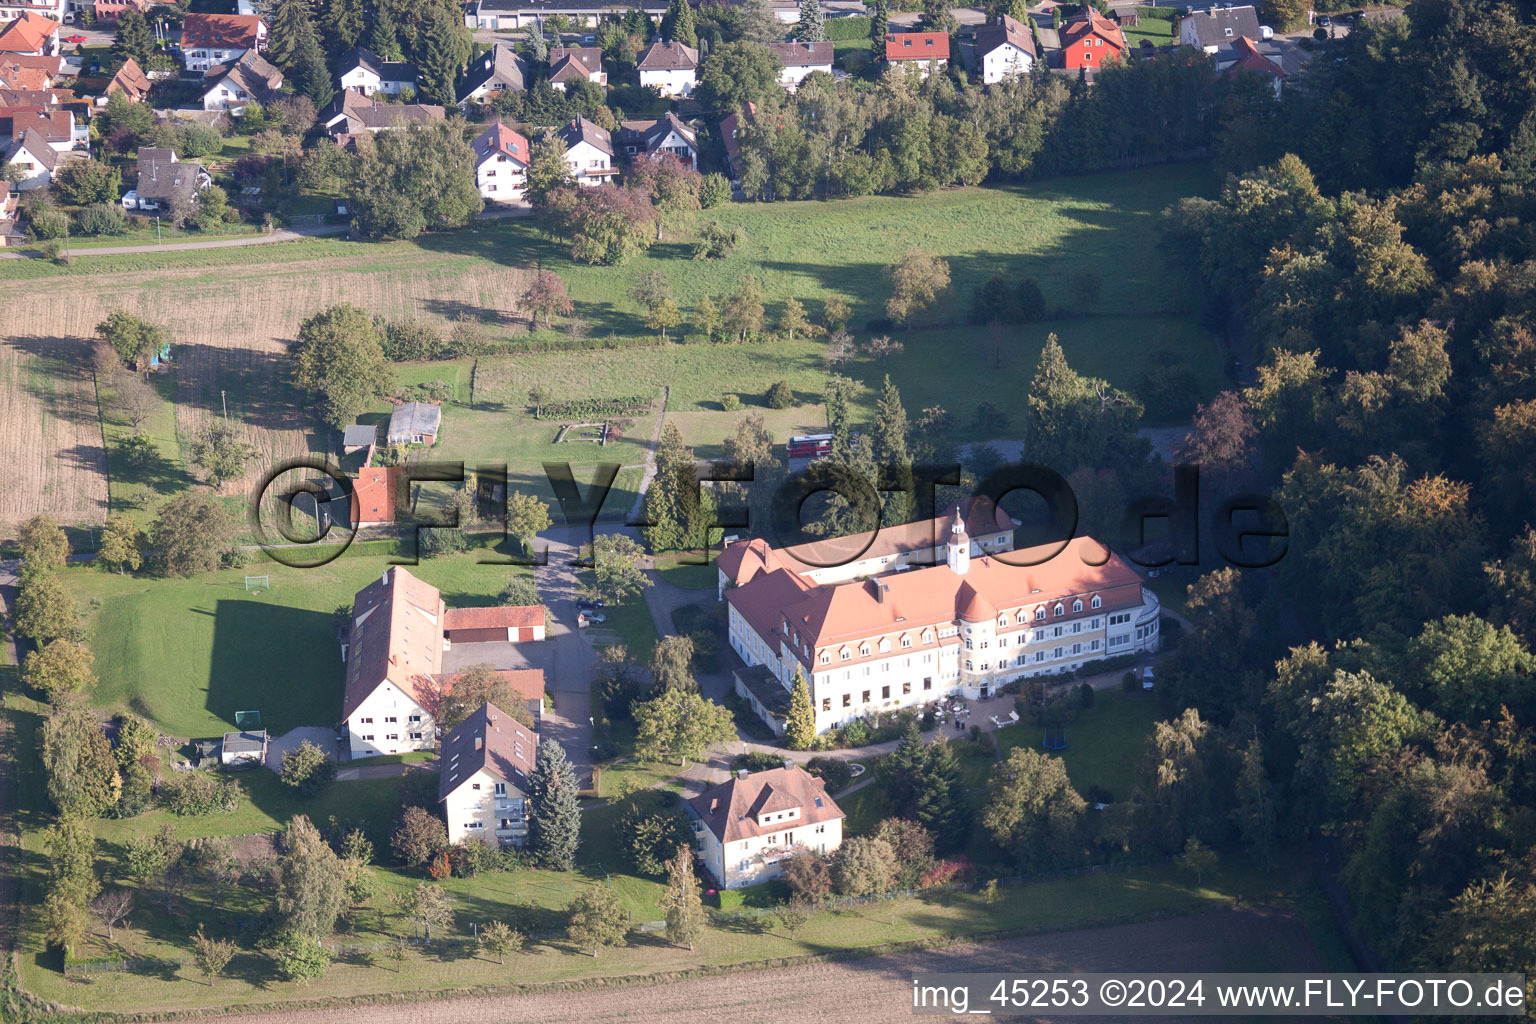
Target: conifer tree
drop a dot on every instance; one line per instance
(554, 823)
(901, 771)
(800, 729)
(132, 39)
(310, 75)
(343, 23)
(444, 50)
(383, 37)
(291, 21)
(940, 799)
(677, 24)
(879, 26)
(683, 902)
(892, 458)
(538, 44)
(813, 24)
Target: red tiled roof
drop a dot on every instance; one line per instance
(397, 638)
(222, 31)
(1089, 22)
(917, 46)
(732, 810)
(499, 138)
(501, 617)
(130, 80)
(528, 682)
(55, 125)
(27, 34)
(373, 495)
(1250, 59)
(14, 75)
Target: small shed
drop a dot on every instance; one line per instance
(1126, 18)
(415, 423)
(358, 437)
(244, 749)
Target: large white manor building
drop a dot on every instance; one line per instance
(889, 629)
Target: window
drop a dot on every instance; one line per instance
(847, 700)
(906, 641)
(843, 654)
(368, 721)
(1019, 618)
(391, 719)
(885, 693)
(369, 737)
(474, 785)
(1039, 614)
(414, 718)
(1002, 620)
(927, 636)
(1039, 635)
(1077, 648)
(1056, 653)
(826, 658)
(1077, 605)
(864, 650)
(1060, 609)
(501, 789)
(393, 736)
(1097, 601)
(968, 665)
(866, 697)
(415, 735)
(475, 825)
(826, 703)
(927, 682)
(906, 688)
(968, 643)
(885, 645)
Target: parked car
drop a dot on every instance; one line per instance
(588, 603)
(1324, 22)
(591, 619)
(588, 40)
(74, 39)
(1146, 678)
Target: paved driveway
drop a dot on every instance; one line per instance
(538, 654)
(568, 674)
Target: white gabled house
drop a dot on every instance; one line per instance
(800, 59)
(1005, 49)
(664, 136)
(745, 829)
(208, 40)
(501, 164)
(362, 70)
(483, 782)
(588, 152)
(671, 68)
(251, 79)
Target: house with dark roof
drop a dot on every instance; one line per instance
(501, 164)
(657, 137)
(977, 621)
(167, 183)
(362, 70)
(798, 59)
(747, 828)
(209, 40)
(359, 436)
(569, 64)
(483, 779)
(414, 423)
(500, 69)
(1004, 49)
(671, 68)
(250, 79)
(926, 51)
(1247, 58)
(1218, 27)
(352, 114)
(589, 152)
(29, 153)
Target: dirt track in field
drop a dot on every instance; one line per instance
(874, 989)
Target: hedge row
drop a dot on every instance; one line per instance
(584, 408)
(848, 28)
(1174, 14)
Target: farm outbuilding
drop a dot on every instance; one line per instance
(415, 423)
(358, 437)
(244, 749)
(503, 624)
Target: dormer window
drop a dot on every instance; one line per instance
(1002, 620)
(1097, 602)
(927, 636)
(843, 654)
(906, 641)
(1077, 605)
(826, 657)
(1060, 609)
(1039, 614)
(864, 650)
(885, 645)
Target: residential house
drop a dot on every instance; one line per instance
(671, 67)
(483, 782)
(501, 164)
(10, 10)
(800, 59)
(352, 114)
(251, 78)
(362, 70)
(130, 80)
(1247, 57)
(243, 749)
(53, 126)
(394, 665)
(500, 69)
(167, 183)
(655, 137)
(108, 11)
(359, 437)
(1004, 49)
(27, 73)
(968, 626)
(569, 64)
(209, 40)
(926, 51)
(414, 423)
(373, 496)
(1218, 27)
(30, 34)
(745, 829)
(505, 624)
(10, 232)
(502, 15)
(588, 152)
(30, 154)
(1090, 40)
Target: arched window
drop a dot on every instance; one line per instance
(967, 666)
(1097, 601)
(1077, 605)
(1040, 614)
(1060, 609)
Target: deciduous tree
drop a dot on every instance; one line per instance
(597, 919)
(680, 725)
(339, 359)
(683, 902)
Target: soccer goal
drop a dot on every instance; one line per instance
(258, 583)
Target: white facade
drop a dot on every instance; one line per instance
(670, 81)
(389, 721)
(226, 95)
(761, 858)
(790, 77)
(368, 82)
(589, 165)
(38, 173)
(202, 58)
(10, 10)
(502, 179)
(486, 807)
(1005, 62)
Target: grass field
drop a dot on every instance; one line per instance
(1158, 31)
(1103, 745)
(188, 654)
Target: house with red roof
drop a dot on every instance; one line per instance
(497, 624)
(393, 652)
(969, 625)
(130, 80)
(1090, 40)
(30, 34)
(501, 164)
(926, 51)
(373, 496)
(209, 40)
(746, 829)
(1250, 60)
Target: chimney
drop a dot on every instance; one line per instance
(741, 773)
(479, 742)
(788, 765)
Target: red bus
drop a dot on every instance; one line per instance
(809, 446)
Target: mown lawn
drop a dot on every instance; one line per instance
(188, 654)
(1104, 744)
